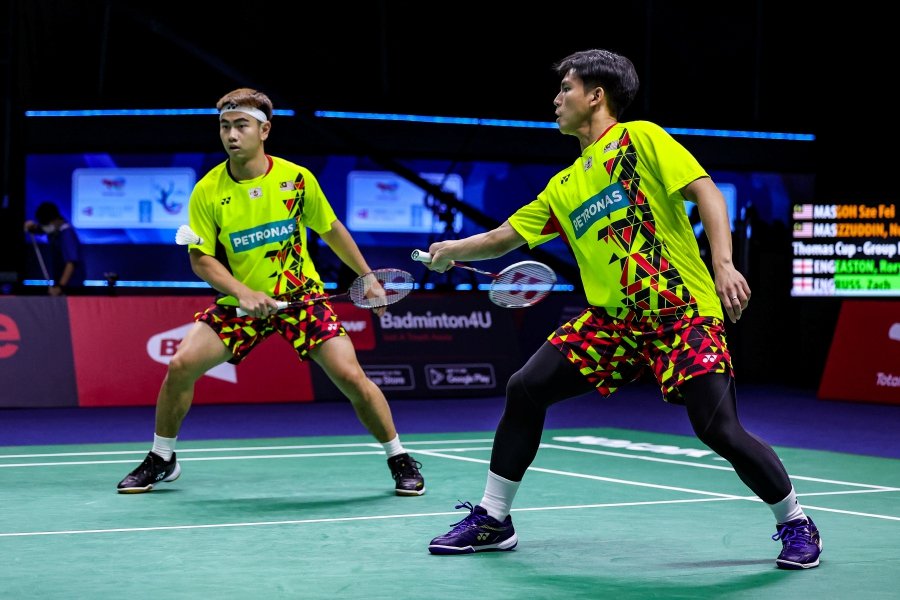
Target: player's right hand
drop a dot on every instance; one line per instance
(257, 304)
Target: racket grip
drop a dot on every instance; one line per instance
(421, 256)
(281, 306)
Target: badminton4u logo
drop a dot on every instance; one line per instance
(162, 346)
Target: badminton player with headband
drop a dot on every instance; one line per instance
(248, 221)
(653, 306)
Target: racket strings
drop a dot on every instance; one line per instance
(522, 284)
(381, 287)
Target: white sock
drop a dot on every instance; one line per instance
(393, 447)
(499, 494)
(164, 446)
(788, 509)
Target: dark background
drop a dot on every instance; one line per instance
(756, 65)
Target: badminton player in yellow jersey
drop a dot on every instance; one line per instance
(653, 306)
(251, 213)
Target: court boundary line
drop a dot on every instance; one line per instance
(406, 516)
(349, 519)
(443, 453)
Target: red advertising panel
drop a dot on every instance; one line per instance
(123, 344)
(35, 353)
(864, 359)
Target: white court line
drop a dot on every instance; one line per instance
(436, 453)
(441, 454)
(705, 466)
(402, 516)
(242, 448)
(64, 463)
(343, 519)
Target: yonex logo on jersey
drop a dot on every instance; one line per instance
(248, 239)
(564, 179)
(225, 201)
(710, 358)
(609, 199)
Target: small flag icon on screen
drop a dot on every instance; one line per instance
(803, 211)
(803, 266)
(803, 230)
(803, 284)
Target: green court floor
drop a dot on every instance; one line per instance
(603, 513)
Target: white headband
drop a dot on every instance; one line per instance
(247, 110)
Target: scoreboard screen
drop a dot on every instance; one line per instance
(847, 249)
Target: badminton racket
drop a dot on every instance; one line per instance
(40, 257)
(519, 285)
(375, 289)
(186, 236)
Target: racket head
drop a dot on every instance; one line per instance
(381, 287)
(522, 284)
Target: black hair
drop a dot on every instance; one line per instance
(46, 213)
(613, 72)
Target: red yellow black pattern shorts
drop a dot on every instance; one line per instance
(304, 327)
(611, 351)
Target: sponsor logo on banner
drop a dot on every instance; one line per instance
(392, 377)
(162, 346)
(872, 375)
(36, 361)
(9, 336)
(453, 376)
(358, 323)
(894, 332)
(271, 373)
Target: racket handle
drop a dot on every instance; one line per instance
(281, 306)
(421, 256)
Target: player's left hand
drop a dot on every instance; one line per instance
(733, 291)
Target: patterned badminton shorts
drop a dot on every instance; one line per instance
(304, 327)
(612, 351)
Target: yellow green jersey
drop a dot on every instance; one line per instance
(257, 228)
(620, 209)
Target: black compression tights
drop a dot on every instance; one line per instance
(548, 377)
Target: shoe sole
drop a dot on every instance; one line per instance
(505, 545)
(141, 490)
(795, 566)
(400, 492)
